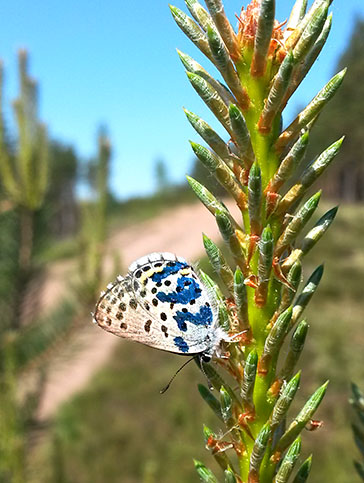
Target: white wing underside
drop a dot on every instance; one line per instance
(130, 308)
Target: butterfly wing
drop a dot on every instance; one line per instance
(161, 303)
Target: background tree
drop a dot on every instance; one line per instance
(161, 177)
(345, 114)
(24, 166)
(24, 172)
(94, 222)
(60, 204)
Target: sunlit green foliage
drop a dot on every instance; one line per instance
(261, 65)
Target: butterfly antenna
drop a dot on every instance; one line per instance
(162, 391)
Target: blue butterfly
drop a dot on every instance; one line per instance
(162, 303)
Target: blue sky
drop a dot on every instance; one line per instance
(114, 62)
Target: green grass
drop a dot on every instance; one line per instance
(336, 341)
(120, 429)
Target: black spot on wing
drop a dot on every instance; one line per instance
(133, 303)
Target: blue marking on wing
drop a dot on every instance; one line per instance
(181, 344)
(168, 270)
(189, 290)
(203, 317)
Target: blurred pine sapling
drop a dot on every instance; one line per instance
(24, 167)
(94, 224)
(24, 171)
(262, 166)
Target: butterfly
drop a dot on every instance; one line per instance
(163, 303)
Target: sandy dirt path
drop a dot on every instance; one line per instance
(177, 231)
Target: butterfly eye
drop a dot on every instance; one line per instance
(205, 358)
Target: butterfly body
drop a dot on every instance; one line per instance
(162, 303)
